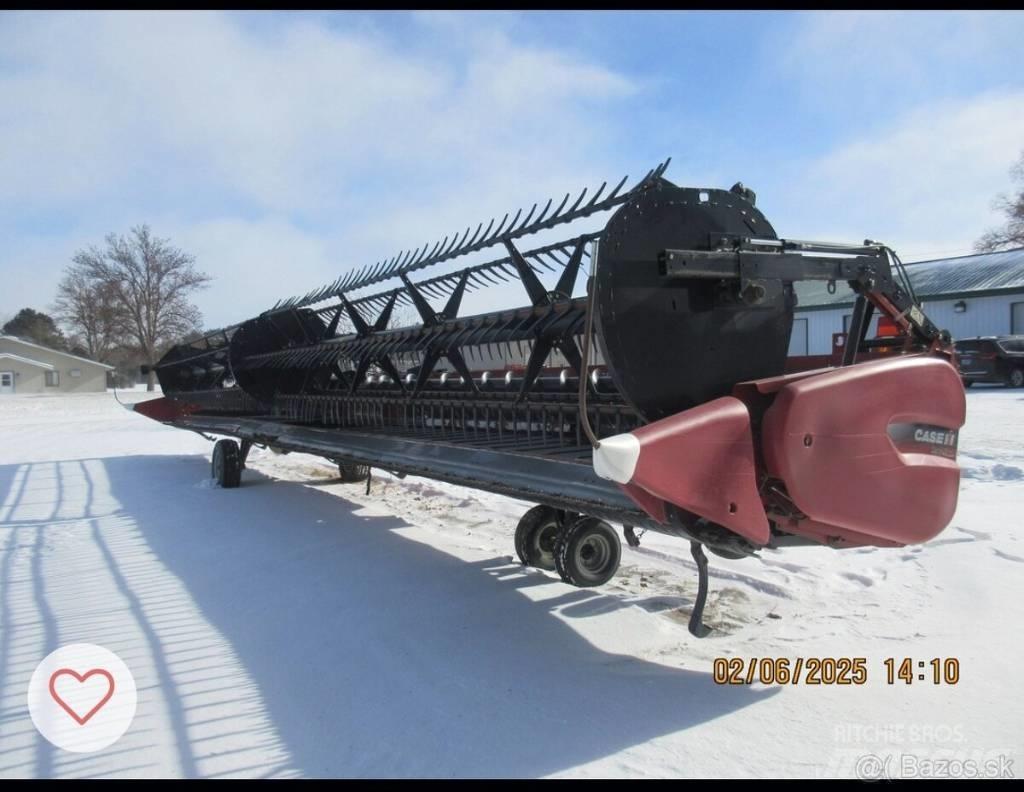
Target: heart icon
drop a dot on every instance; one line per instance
(88, 694)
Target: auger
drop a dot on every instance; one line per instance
(657, 399)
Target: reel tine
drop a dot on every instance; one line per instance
(538, 258)
(501, 225)
(488, 231)
(434, 249)
(415, 261)
(540, 219)
(389, 268)
(464, 237)
(578, 201)
(643, 182)
(526, 222)
(451, 247)
(411, 254)
(470, 240)
(514, 221)
(475, 280)
(596, 195)
(558, 211)
(431, 289)
(618, 187)
(421, 254)
(485, 275)
(392, 265)
(558, 262)
(475, 235)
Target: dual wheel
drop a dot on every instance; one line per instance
(585, 551)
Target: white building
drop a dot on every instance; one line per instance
(29, 368)
(979, 295)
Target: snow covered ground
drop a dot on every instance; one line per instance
(296, 626)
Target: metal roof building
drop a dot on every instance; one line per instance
(975, 295)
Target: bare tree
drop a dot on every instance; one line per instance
(150, 283)
(1012, 234)
(89, 309)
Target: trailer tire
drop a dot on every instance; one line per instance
(588, 553)
(351, 473)
(226, 465)
(537, 537)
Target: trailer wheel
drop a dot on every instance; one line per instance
(588, 553)
(537, 536)
(227, 463)
(351, 473)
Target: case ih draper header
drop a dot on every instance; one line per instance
(688, 425)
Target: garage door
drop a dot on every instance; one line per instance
(1017, 318)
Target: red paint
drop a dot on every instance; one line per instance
(655, 507)
(826, 438)
(702, 460)
(164, 409)
(81, 719)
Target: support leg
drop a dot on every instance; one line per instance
(243, 453)
(697, 626)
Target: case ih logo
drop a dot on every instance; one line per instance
(935, 436)
(938, 440)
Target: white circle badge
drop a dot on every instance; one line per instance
(82, 698)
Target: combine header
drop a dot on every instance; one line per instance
(656, 400)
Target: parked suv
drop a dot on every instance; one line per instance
(992, 359)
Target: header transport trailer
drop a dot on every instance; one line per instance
(688, 426)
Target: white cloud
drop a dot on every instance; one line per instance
(283, 151)
(854, 62)
(923, 183)
(223, 134)
(287, 120)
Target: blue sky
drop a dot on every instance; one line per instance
(283, 149)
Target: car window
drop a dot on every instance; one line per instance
(966, 346)
(1012, 344)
